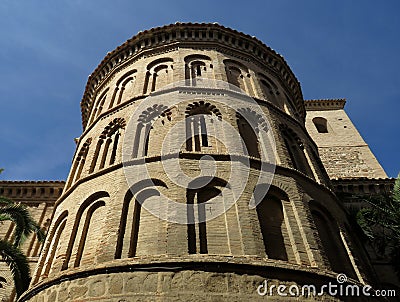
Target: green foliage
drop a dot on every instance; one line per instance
(396, 191)
(359, 224)
(381, 223)
(18, 264)
(24, 223)
(5, 201)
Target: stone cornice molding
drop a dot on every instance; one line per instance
(324, 104)
(183, 33)
(32, 192)
(30, 182)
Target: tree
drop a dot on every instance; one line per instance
(10, 251)
(380, 222)
(18, 264)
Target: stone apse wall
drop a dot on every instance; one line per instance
(103, 245)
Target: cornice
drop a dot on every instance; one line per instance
(32, 192)
(324, 104)
(31, 182)
(186, 33)
(360, 180)
(362, 186)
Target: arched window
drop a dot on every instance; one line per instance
(145, 125)
(84, 237)
(199, 124)
(107, 146)
(198, 66)
(249, 125)
(272, 224)
(289, 107)
(270, 90)
(332, 243)
(159, 74)
(321, 124)
(248, 136)
(79, 163)
(125, 85)
(295, 149)
(49, 252)
(135, 237)
(237, 75)
(202, 240)
(98, 105)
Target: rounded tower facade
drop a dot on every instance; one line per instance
(157, 102)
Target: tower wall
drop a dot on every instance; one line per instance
(343, 151)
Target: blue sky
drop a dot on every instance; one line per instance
(337, 49)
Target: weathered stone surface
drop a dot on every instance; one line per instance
(78, 291)
(97, 288)
(52, 296)
(216, 283)
(63, 295)
(116, 284)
